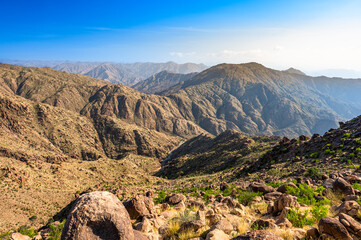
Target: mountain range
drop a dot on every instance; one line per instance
(118, 73)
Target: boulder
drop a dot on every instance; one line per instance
(313, 234)
(230, 202)
(180, 206)
(139, 207)
(284, 201)
(331, 227)
(283, 188)
(98, 215)
(263, 224)
(261, 187)
(192, 203)
(284, 223)
(195, 225)
(175, 199)
(342, 186)
(223, 225)
(351, 224)
(217, 234)
(348, 207)
(19, 236)
(258, 235)
(272, 196)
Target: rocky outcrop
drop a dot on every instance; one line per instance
(351, 224)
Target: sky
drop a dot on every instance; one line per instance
(316, 36)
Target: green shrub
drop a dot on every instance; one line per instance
(319, 212)
(314, 155)
(246, 197)
(161, 197)
(346, 135)
(55, 231)
(299, 219)
(305, 194)
(284, 150)
(28, 231)
(274, 184)
(312, 172)
(358, 149)
(329, 152)
(356, 186)
(351, 155)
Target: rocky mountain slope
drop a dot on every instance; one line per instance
(261, 101)
(161, 81)
(207, 154)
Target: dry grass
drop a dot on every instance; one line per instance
(286, 234)
(173, 229)
(243, 226)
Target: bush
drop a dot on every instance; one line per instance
(299, 219)
(246, 197)
(161, 197)
(319, 212)
(346, 135)
(314, 155)
(329, 152)
(305, 194)
(356, 186)
(312, 172)
(55, 231)
(28, 231)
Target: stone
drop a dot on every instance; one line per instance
(284, 201)
(261, 187)
(194, 225)
(263, 224)
(180, 206)
(313, 233)
(258, 235)
(351, 224)
(328, 183)
(349, 207)
(332, 227)
(139, 207)
(272, 196)
(192, 203)
(217, 234)
(231, 203)
(342, 186)
(284, 223)
(175, 199)
(19, 236)
(223, 225)
(283, 188)
(98, 215)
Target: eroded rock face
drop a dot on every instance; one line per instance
(332, 228)
(98, 216)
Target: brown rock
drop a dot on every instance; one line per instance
(194, 225)
(351, 224)
(175, 199)
(332, 227)
(223, 225)
(19, 236)
(284, 201)
(139, 207)
(98, 215)
(283, 188)
(284, 223)
(261, 187)
(263, 224)
(349, 207)
(217, 234)
(342, 186)
(258, 235)
(313, 234)
(272, 196)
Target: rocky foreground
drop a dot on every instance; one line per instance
(305, 208)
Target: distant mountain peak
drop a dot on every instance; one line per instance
(294, 71)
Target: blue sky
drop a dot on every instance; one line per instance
(307, 34)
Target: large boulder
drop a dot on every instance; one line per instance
(139, 207)
(342, 186)
(258, 235)
(98, 216)
(351, 224)
(261, 187)
(284, 201)
(217, 234)
(332, 228)
(175, 199)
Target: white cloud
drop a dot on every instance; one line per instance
(182, 54)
